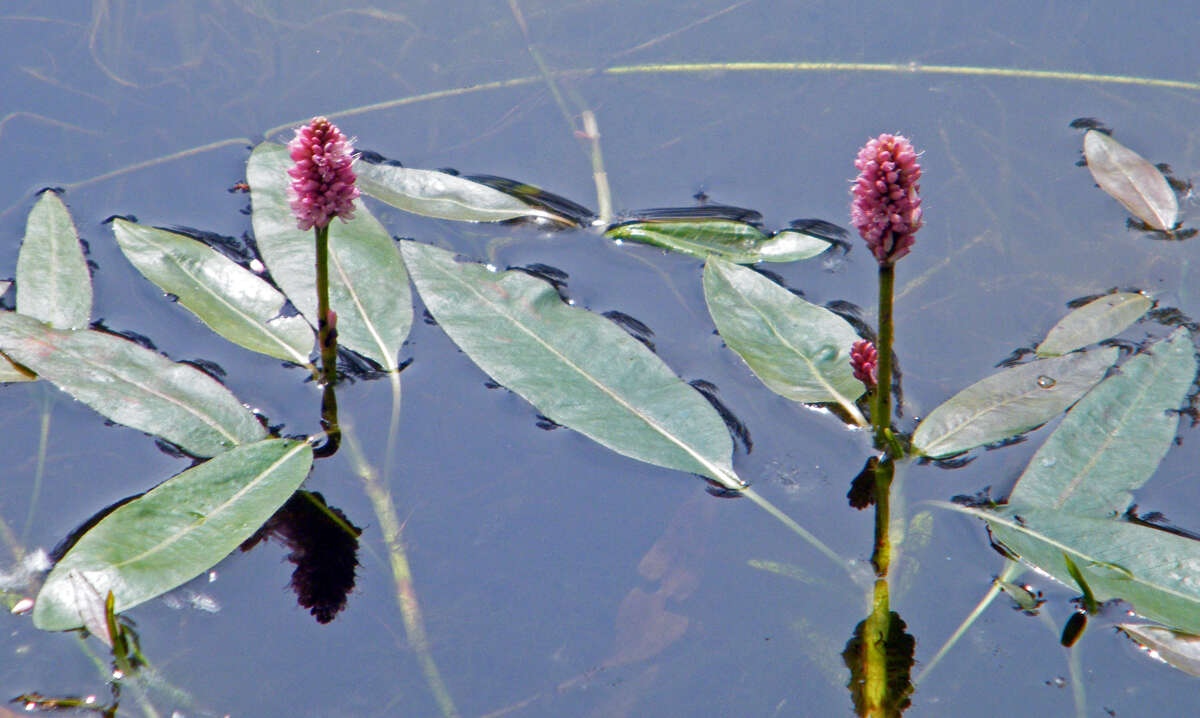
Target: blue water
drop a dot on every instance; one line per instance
(526, 544)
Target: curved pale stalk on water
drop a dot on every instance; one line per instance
(802, 532)
(406, 594)
(1012, 569)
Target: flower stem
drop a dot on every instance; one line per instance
(326, 338)
(882, 415)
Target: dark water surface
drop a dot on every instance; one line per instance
(558, 578)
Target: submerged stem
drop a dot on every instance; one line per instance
(406, 595)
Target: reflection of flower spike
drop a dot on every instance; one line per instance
(864, 360)
(322, 180)
(887, 208)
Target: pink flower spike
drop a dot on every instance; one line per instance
(864, 360)
(886, 209)
(322, 184)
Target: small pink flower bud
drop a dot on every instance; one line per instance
(887, 207)
(322, 180)
(864, 360)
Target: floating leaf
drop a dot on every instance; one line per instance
(1131, 180)
(176, 531)
(578, 368)
(1156, 571)
(1115, 437)
(734, 240)
(368, 286)
(1098, 319)
(1010, 402)
(433, 193)
(4, 285)
(1177, 648)
(53, 283)
(132, 385)
(231, 300)
(564, 210)
(799, 350)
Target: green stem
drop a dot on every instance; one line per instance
(406, 593)
(882, 414)
(875, 637)
(327, 340)
(326, 336)
(881, 558)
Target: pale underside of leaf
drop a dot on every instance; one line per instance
(1131, 180)
(1097, 320)
(53, 282)
(437, 194)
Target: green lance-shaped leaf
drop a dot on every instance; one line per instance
(437, 194)
(1156, 571)
(233, 301)
(1097, 320)
(732, 240)
(53, 283)
(799, 350)
(368, 286)
(1115, 437)
(1010, 402)
(1177, 648)
(1131, 180)
(577, 368)
(176, 531)
(132, 385)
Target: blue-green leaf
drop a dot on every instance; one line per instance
(230, 299)
(732, 240)
(799, 350)
(1010, 402)
(438, 194)
(53, 283)
(577, 368)
(176, 531)
(1115, 437)
(1158, 572)
(132, 385)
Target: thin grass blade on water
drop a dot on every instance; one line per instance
(368, 287)
(1010, 402)
(230, 299)
(132, 385)
(1115, 437)
(174, 532)
(53, 282)
(1095, 321)
(1131, 180)
(578, 368)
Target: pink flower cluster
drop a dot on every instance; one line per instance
(322, 181)
(864, 360)
(886, 208)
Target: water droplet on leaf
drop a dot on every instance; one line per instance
(1045, 382)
